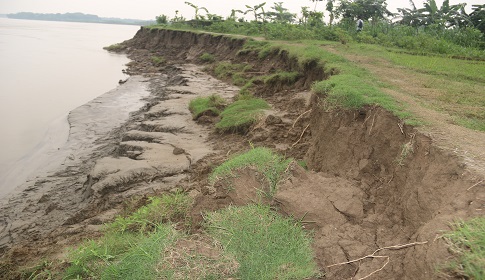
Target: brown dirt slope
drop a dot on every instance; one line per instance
(375, 183)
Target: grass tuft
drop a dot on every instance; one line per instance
(206, 105)
(167, 208)
(114, 48)
(266, 245)
(271, 165)
(158, 60)
(467, 240)
(240, 115)
(207, 57)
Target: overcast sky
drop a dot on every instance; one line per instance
(149, 9)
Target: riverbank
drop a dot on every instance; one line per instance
(371, 181)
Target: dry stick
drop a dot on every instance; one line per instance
(373, 120)
(375, 271)
(396, 247)
(293, 126)
(300, 136)
(475, 185)
(400, 127)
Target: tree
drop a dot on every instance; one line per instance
(197, 8)
(177, 18)
(477, 17)
(365, 9)
(162, 19)
(304, 15)
(281, 15)
(255, 10)
(331, 11)
(232, 16)
(447, 15)
(412, 17)
(316, 2)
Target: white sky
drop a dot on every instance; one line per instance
(149, 9)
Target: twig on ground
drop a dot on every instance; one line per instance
(375, 271)
(475, 185)
(401, 127)
(373, 120)
(373, 256)
(391, 179)
(301, 136)
(304, 113)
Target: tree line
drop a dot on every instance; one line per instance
(436, 28)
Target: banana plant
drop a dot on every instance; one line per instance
(197, 8)
(255, 10)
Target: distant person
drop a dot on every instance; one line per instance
(360, 24)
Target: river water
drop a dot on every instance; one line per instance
(47, 70)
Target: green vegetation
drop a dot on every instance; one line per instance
(271, 165)
(265, 245)
(256, 242)
(158, 60)
(455, 86)
(114, 47)
(240, 115)
(206, 105)
(131, 246)
(467, 240)
(168, 208)
(207, 57)
(234, 71)
(119, 255)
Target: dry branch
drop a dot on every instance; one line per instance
(299, 117)
(301, 136)
(374, 256)
(475, 185)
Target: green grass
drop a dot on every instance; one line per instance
(207, 57)
(285, 78)
(467, 240)
(206, 105)
(455, 86)
(158, 60)
(266, 245)
(114, 47)
(240, 115)
(160, 209)
(271, 165)
(121, 255)
(131, 246)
